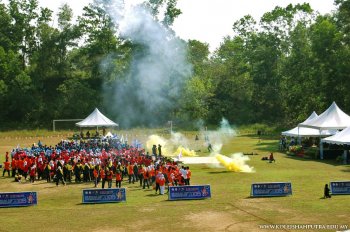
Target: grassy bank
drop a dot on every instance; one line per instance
(229, 209)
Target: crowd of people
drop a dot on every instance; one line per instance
(97, 161)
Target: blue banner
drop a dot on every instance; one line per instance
(18, 199)
(273, 189)
(340, 187)
(104, 195)
(189, 192)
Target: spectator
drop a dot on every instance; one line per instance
(327, 192)
(6, 168)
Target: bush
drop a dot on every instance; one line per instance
(296, 150)
(312, 152)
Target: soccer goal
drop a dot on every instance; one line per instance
(63, 120)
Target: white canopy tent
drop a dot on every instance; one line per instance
(331, 119)
(308, 132)
(341, 138)
(96, 119)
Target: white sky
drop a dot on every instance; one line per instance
(210, 20)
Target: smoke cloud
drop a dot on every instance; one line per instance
(235, 163)
(176, 145)
(158, 70)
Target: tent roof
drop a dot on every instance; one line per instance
(308, 132)
(332, 118)
(96, 118)
(342, 137)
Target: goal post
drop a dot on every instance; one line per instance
(63, 120)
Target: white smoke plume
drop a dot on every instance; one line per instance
(220, 136)
(217, 138)
(158, 70)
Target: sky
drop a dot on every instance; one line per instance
(210, 21)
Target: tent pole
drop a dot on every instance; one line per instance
(321, 147)
(345, 156)
(299, 138)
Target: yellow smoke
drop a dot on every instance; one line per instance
(168, 146)
(236, 163)
(155, 140)
(184, 152)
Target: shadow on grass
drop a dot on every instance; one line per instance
(262, 137)
(330, 162)
(257, 197)
(153, 195)
(219, 172)
(267, 146)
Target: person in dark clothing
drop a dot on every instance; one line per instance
(154, 150)
(271, 158)
(59, 176)
(159, 150)
(327, 192)
(210, 148)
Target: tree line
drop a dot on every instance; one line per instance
(275, 71)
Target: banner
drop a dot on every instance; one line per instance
(189, 192)
(104, 195)
(273, 189)
(18, 199)
(340, 187)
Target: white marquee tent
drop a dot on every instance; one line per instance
(308, 132)
(96, 119)
(341, 138)
(332, 119)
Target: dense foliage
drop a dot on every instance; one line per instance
(276, 71)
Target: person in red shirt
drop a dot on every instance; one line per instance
(189, 173)
(32, 172)
(109, 177)
(14, 166)
(96, 172)
(131, 175)
(118, 179)
(145, 177)
(6, 168)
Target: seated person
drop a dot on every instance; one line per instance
(18, 177)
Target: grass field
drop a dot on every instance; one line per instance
(230, 209)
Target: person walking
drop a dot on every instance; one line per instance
(327, 192)
(109, 177)
(59, 176)
(118, 178)
(6, 168)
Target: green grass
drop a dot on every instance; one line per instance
(229, 209)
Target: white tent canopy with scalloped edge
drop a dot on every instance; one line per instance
(308, 132)
(332, 118)
(341, 138)
(96, 119)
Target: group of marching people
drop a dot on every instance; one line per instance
(68, 161)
